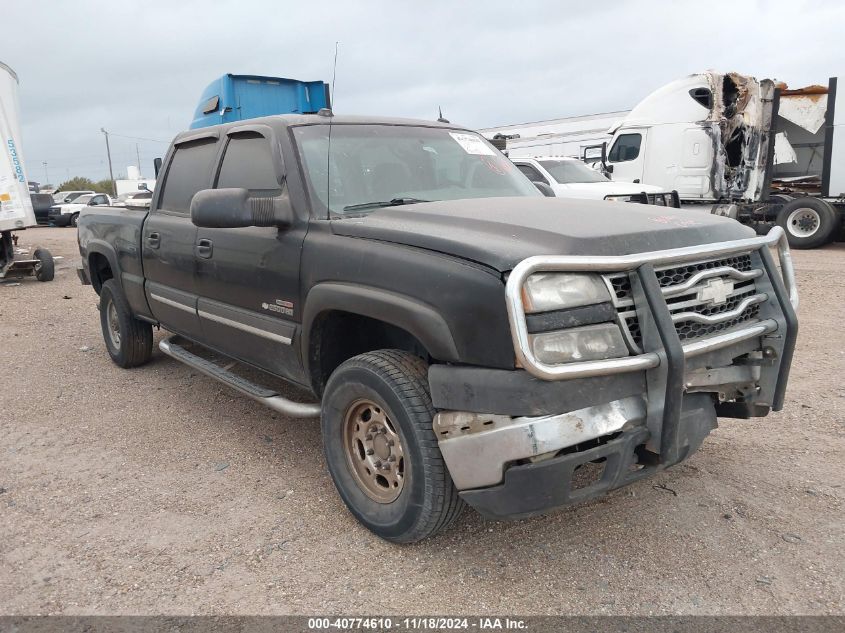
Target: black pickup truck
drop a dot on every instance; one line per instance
(465, 339)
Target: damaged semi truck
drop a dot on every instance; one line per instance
(727, 143)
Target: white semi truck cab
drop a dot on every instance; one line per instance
(753, 150)
(727, 143)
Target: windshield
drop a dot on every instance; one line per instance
(373, 166)
(83, 199)
(567, 171)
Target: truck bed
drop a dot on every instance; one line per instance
(113, 235)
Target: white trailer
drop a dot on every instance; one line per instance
(569, 137)
(16, 211)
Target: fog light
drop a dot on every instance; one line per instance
(591, 342)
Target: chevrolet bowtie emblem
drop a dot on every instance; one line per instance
(716, 291)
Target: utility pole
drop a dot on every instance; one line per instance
(46, 177)
(138, 154)
(108, 153)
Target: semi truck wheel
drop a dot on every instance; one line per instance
(381, 449)
(128, 340)
(808, 222)
(45, 270)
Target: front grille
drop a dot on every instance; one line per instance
(679, 274)
(695, 317)
(690, 330)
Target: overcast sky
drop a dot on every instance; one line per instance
(138, 68)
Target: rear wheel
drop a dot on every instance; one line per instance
(808, 222)
(128, 340)
(45, 269)
(381, 449)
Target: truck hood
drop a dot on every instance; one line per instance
(501, 232)
(598, 190)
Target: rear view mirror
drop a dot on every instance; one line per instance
(545, 189)
(235, 208)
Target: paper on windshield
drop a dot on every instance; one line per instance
(472, 144)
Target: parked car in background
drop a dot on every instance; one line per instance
(41, 205)
(68, 214)
(140, 200)
(572, 178)
(62, 197)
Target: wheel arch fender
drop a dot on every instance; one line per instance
(417, 318)
(104, 249)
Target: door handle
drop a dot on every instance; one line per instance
(205, 248)
(154, 240)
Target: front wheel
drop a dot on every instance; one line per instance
(128, 340)
(808, 222)
(74, 220)
(381, 449)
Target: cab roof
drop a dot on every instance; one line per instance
(280, 121)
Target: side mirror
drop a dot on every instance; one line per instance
(545, 189)
(235, 208)
(157, 166)
(608, 169)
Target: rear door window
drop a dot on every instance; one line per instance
(189, 172)
(248, 164)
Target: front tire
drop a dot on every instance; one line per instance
(128, 340)
(74, 220)
(808, 222)
(381, 449)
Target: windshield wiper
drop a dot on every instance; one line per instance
(396, 202)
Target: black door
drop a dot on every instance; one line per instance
(169, 238)
(248, 278)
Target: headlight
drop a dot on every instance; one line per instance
(555, 291)
(591, 342)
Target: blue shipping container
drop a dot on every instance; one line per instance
(238, 97)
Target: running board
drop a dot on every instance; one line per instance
(267, 397)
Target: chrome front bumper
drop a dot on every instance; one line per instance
(477, 447)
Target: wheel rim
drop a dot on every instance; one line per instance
(803, 222)
(113, 325)
(374, 451)
(74, 220)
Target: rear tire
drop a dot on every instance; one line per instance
(46, 269)
(128, 340)
(381, 449)
(808, 222)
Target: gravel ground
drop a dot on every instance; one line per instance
(157, 490)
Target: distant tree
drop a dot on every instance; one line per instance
(81, 183)
(104, 186)
(77, 184)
